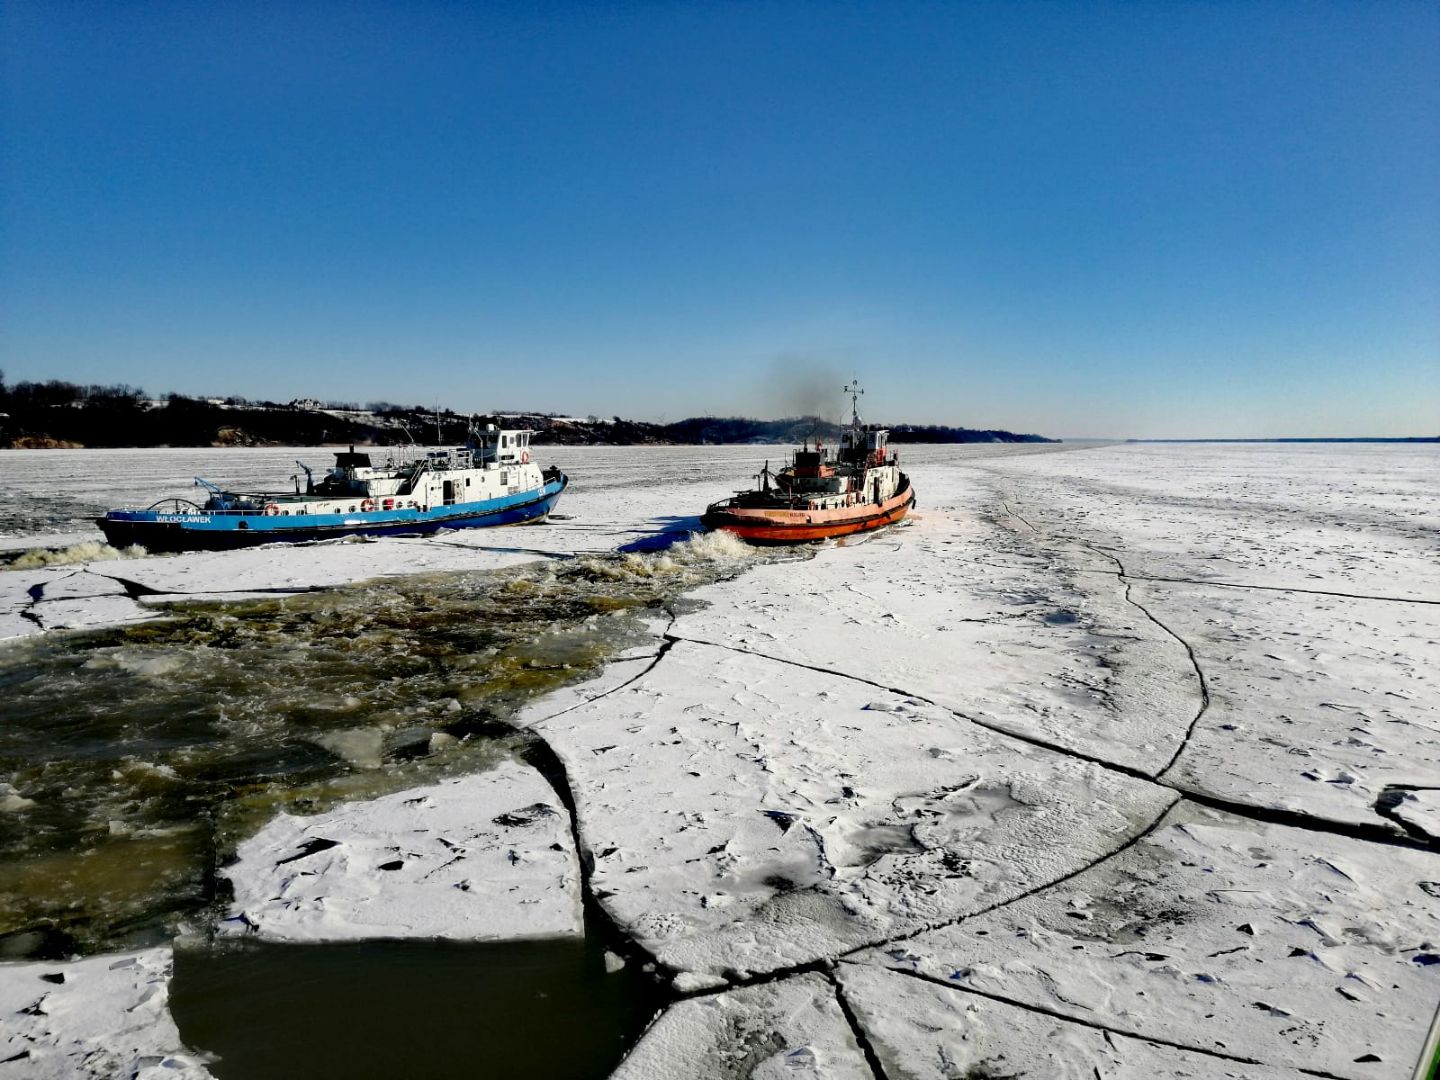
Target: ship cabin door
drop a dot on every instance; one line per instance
(449, 492)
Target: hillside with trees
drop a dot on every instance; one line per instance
(63, 414)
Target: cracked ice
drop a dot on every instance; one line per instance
(1115, 762)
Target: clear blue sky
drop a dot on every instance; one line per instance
(1078, 219)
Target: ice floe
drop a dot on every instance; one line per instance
(746, 815)
(925, 1031)
(102, 1017)
(1024, 645)
(776, 1031)
(1318, 704)
(481, 858)
(1219, 933)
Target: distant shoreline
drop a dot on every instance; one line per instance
(1318, 439)
(58, 415)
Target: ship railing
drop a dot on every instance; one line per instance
(283, 502)
(176, 506)
(451, 460)
(400, 457)
(259, 511)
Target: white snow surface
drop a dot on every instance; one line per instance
(1222, 934)
(938, 755)
(777, 1031)
(1317, 703)
(1420, 810)
(747, 815)
(924, 1031)
(1352, 518)
(1252, 624)
(481, 858)
(958, 610)
(102, 1017)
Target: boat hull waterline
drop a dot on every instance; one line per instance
(769, 525)
(158, 531)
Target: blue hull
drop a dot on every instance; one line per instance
(205, 531)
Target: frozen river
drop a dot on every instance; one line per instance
(1104, 739)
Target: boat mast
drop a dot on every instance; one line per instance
(853, 389)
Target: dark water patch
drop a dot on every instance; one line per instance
(131, 756)
(56, 512)
(676, 530)
(1062, 618)
(39, 943)
(530, 1010)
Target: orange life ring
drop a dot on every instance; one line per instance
(367, 506)
(272, 509)
(524, 457)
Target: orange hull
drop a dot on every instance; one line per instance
(784, 526)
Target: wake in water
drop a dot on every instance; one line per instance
(700, 556)
(88, 551)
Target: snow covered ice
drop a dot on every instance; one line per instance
(98, 1018)
(926, 1031)
(774, 1031)
(1226, 623)
(1117, 762)
(484, 857)
(747, 815)
(960, 612)
(1315, 950)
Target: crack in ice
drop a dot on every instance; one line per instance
(1264, 588)
(1272, 815)
(1189, 651)
(862, 1037)
(1082, 1021)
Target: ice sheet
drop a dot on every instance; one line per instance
(1281, 945)
(102, 1017)
(1317, 703)
(924, 1031)
(483, 858)
(746, 815)
(1359, 519)
(785, 1029)
(958, 610)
